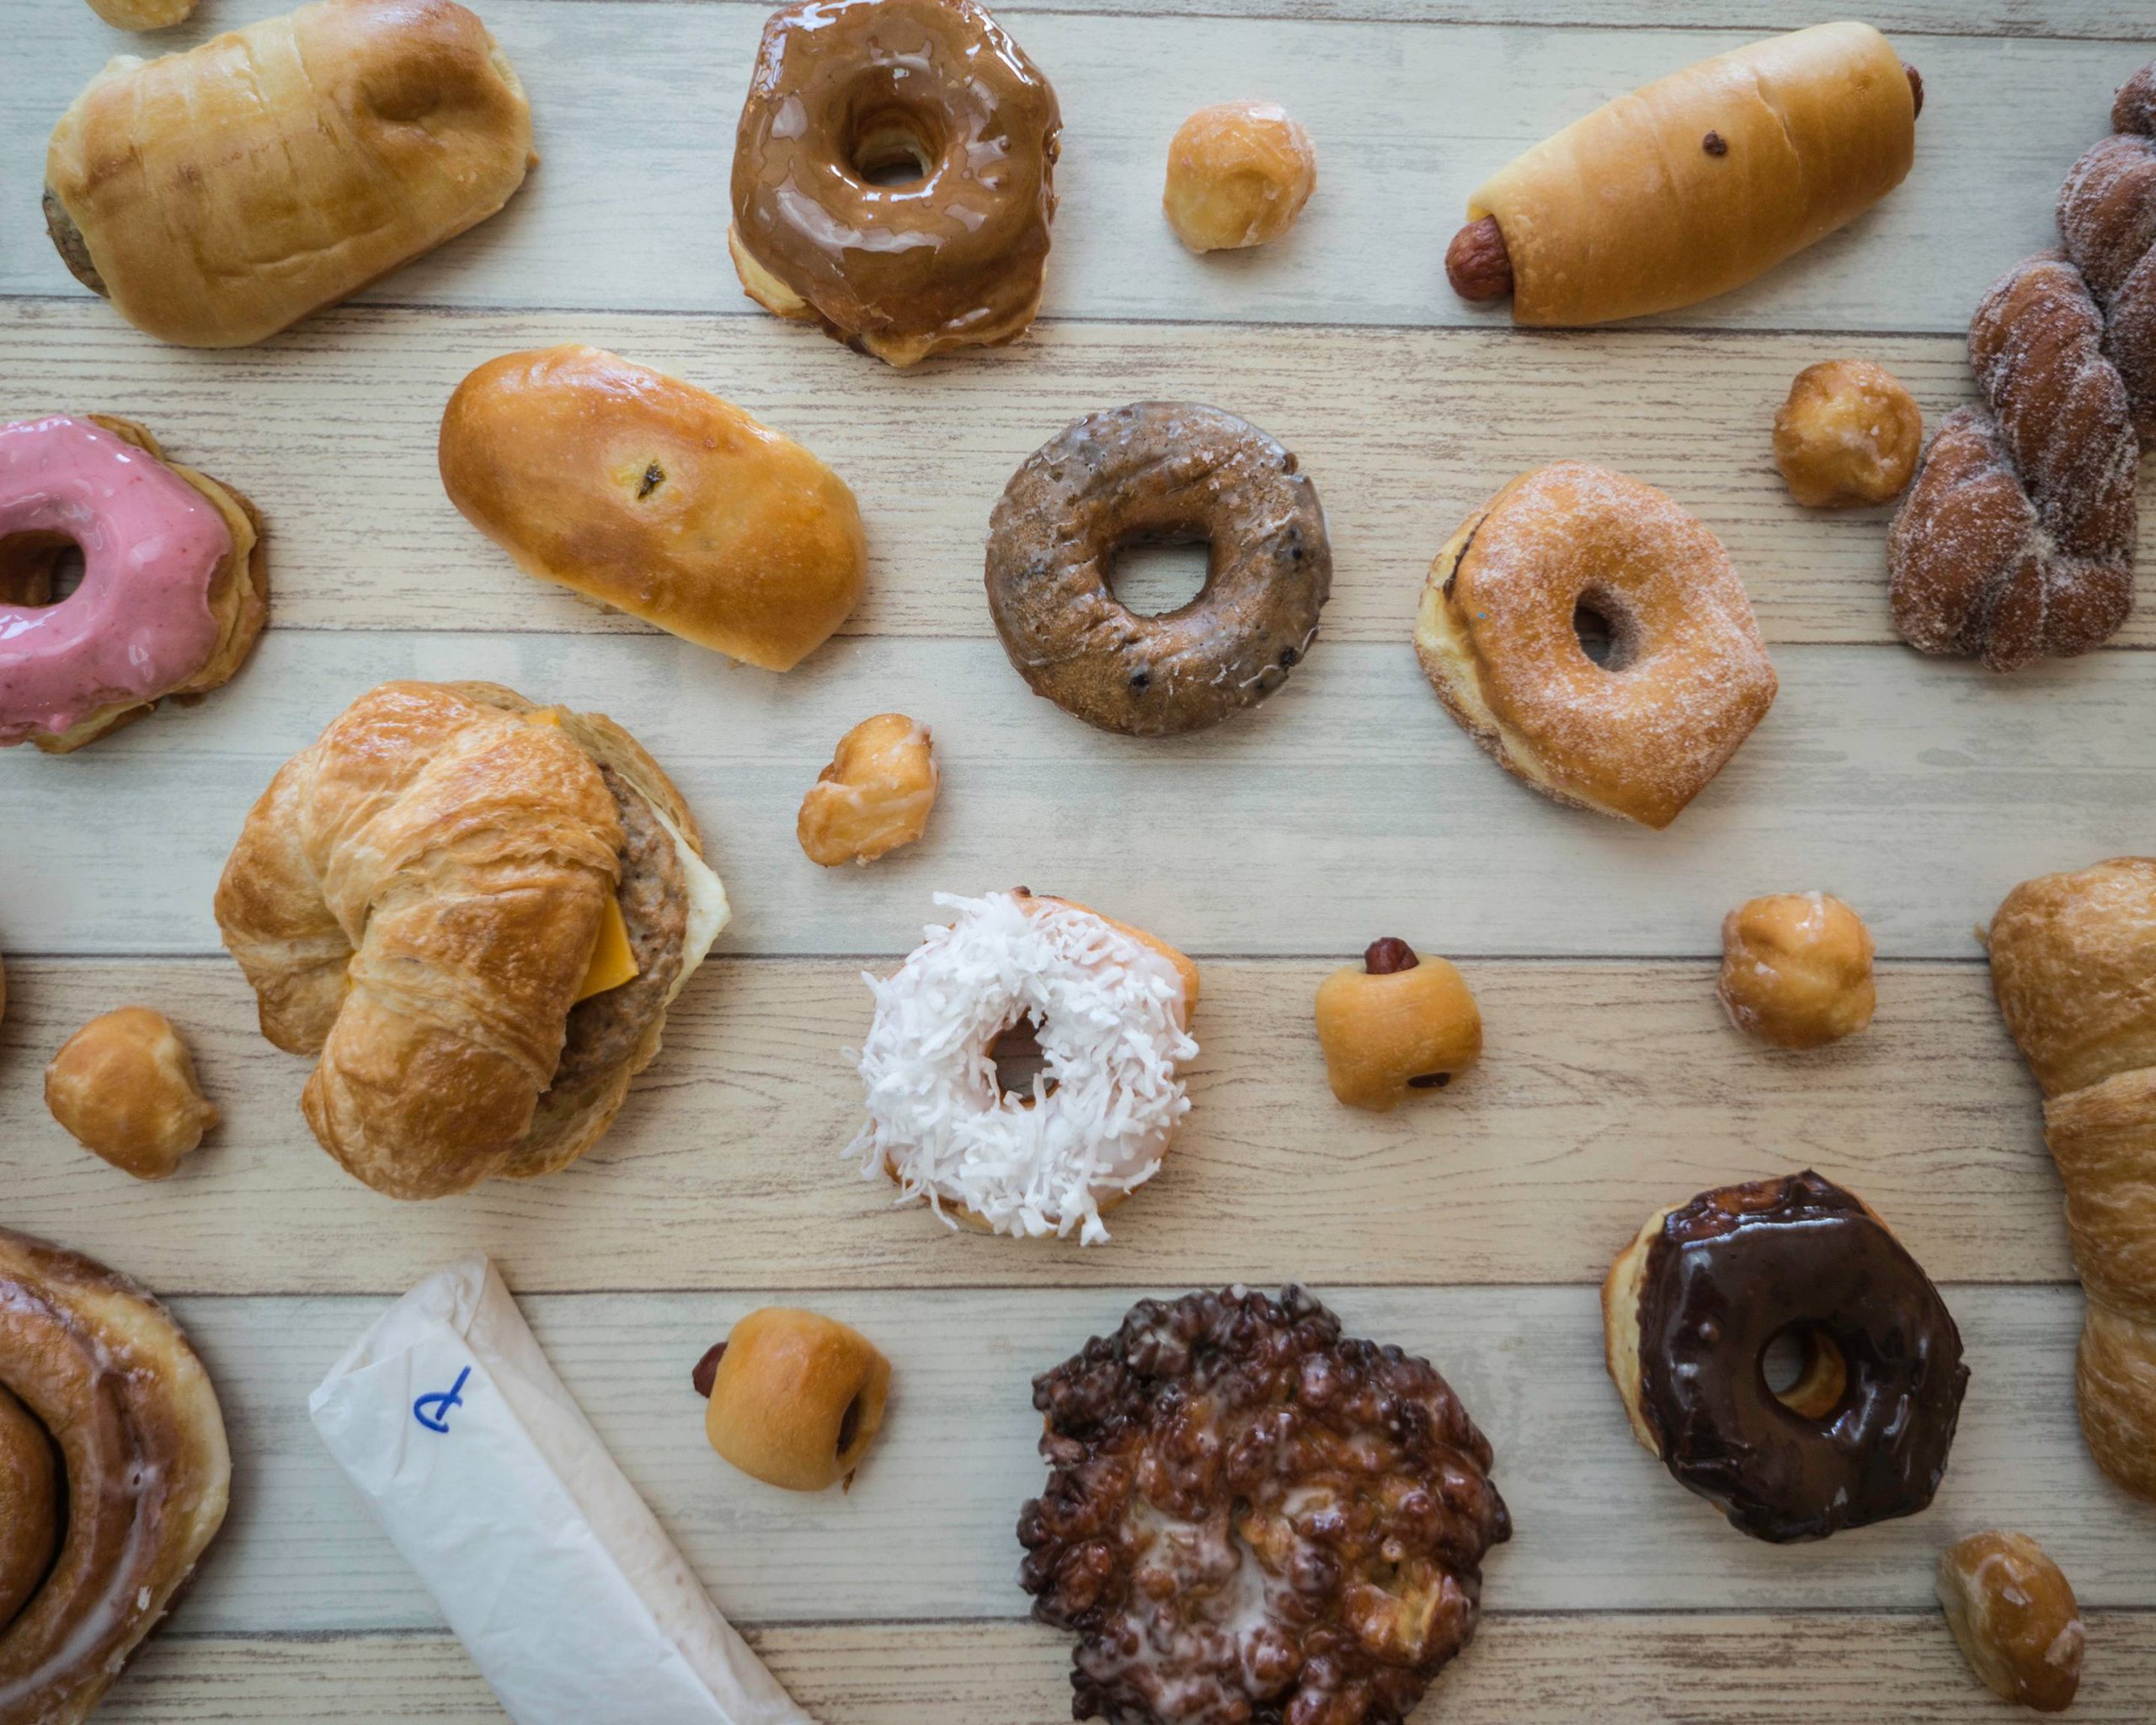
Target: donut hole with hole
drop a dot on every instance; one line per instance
(1804, 1369)
(38, 568)
(893, 142)
(1160, 573)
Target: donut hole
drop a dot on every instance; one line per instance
(1015, 1054)
(38, 568)
(893, 145)
(1805, 1371)
(1604, 633)
(1154, 575)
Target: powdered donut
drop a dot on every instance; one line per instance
(1112, 1005)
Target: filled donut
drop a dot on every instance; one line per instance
(894, 176)
(1251, 1517)
(1158, 472)
(1110, 1008)
(1500, 636)
(1688, 1311)
(175, 585)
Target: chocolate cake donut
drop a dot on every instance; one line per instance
(1688, 1311)
(1157, 472)
(1250, 1518)
(894, 176)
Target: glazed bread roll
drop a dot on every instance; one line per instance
(218, 195)
(1701, 180)
(654, 496)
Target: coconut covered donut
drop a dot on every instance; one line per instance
(1111, 1006)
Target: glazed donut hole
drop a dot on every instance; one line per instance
(2015, 1617)
(874, 797)
(1796, 969)
(1239, 174)
(1848, 435)
(38, 568)
(124, 1087)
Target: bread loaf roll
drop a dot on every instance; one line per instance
(218, 195)
(651, 494)
(1700, 181)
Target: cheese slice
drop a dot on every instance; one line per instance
(613, 963)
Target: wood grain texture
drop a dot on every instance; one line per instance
(1606, 1090)
(1646, 1668)
(634, 107)
(331, 430)
(927, 1529)
(1346, 804)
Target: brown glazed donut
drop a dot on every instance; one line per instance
(1157, 472)
(849, 98)
(1688, 1312)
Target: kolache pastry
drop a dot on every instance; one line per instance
(218, 195)
(1239, 175)
(174, 586)
(793, 1398)
(1694, 185)
(114, 1476)
(1796, 969)
(2074, 966)
(875, 795)
(894, 176)
(474, 911)
(1848, 435)
(2017, 540)
(653, 496)
(1397, 1022)
(1249, 1516)
(1110, 1006)
(124, 1087)
(1149, 473)
(1640, 732)
(2014, 1615)
(1690, 1310)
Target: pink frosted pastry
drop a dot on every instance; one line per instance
(174, 587)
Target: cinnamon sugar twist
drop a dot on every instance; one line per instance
(2017, 540)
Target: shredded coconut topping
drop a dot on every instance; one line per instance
(1111, 1014)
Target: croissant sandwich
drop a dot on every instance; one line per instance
(217, 195)
(475, 911)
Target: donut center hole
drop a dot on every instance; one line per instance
(1153, 577)
(1602, 632)
(1018, 1060)
(1805, 1371)
(893, 148)
(38, 568)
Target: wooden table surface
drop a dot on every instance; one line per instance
(1471, 1227)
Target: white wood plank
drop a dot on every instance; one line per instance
(331, 433)
(927, 1529)
(1603, 1089)
(1919, 790)
(628, 208)
(1648, 1669)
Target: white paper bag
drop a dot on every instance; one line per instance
(573, 1603)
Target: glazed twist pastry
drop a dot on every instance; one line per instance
(2017, 540)
(2073, 964)
(113, 1476)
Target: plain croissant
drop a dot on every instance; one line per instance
(2073, 964)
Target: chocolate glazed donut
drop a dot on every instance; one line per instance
(1690, 1309)
(1157, 472)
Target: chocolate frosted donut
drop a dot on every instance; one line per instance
(1157, 472)
(892, 175)
(1689, 1310)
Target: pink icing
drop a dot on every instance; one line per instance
(140, 623)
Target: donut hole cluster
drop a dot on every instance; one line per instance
(38, 568)
(1806, 1370)
(892, 140)
(1156, 574)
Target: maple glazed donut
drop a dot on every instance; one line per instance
(894, 176)
(1158, 472)
(1688, 1311)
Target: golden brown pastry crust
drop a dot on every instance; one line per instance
(1848, 435)
(220, 194)
(1689, 677)
(875, 795)
(136, 1435)
(124, 1087)
(1796, 969)
(143, 14)
(1700, 181)
(415, 899)
(797, 1398)
(2015, 1618)
(1399, 1021)
(1239, 175)
(648, 493)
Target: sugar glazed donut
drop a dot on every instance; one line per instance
(1157, 472)
(1498, 633)
(1249, 1517)
(1112, 1007)
(894, 176)
(1688, 1312)
(174, 587)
